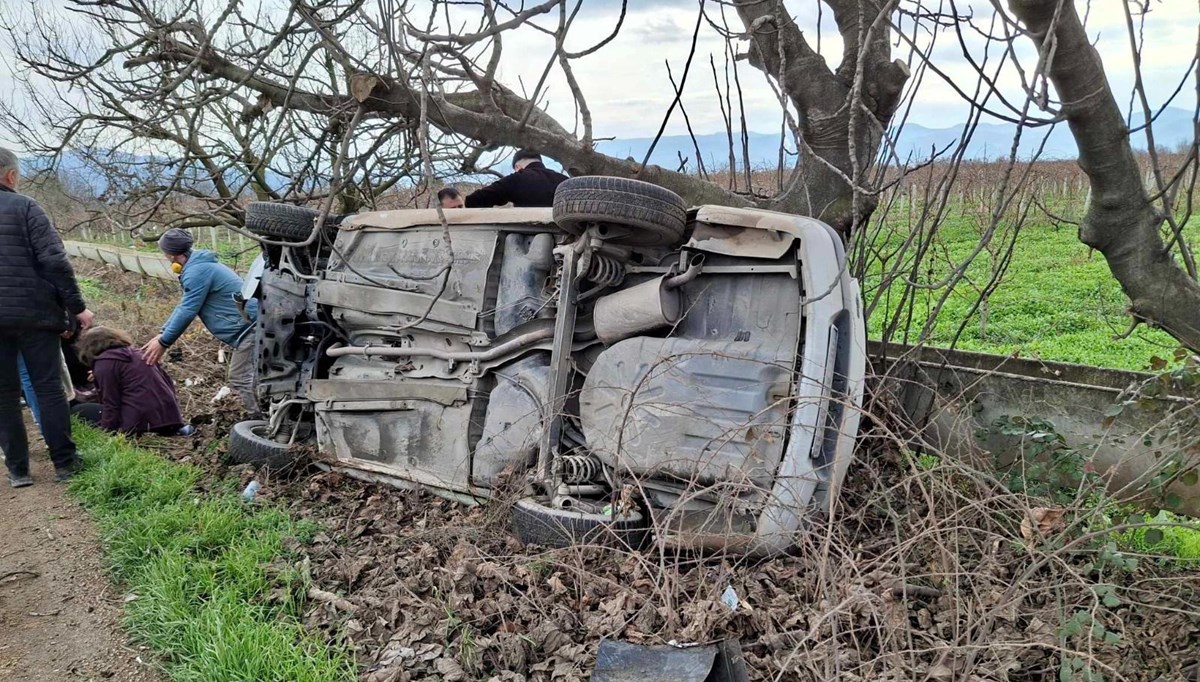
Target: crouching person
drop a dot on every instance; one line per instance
(135, 397)
(209, 291)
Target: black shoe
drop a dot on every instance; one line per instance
(20, 481)
(64, 474)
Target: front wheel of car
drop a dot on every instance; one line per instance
(538, 524)
(285, 222)
(250, 443)
(624, 211)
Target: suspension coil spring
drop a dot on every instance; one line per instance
(605, 270)
(578, 469)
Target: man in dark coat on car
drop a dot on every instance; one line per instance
(38, 297)
(530, 184)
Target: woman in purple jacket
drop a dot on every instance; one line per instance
(134, 397)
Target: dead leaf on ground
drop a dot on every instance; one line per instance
(1043, 520)
(940, 673)
(450, 670)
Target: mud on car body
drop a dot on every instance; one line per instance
(632, 366)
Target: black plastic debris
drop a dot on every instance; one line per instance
(624, 662)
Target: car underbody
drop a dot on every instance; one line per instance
(622, 365)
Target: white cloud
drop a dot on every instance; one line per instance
(628, 90)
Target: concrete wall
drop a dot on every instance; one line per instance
(149, 264)
(950, 396)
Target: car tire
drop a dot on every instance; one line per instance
(631, 212)
(285, 221)
(537, 524)
(248, 444)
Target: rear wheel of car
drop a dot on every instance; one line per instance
(625, 211)
(249, 444)
(284, 221)
(537, 524)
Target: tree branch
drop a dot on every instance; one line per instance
(1121, 222)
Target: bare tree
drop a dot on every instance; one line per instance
(239, 98)
(1123, 220)
(194, 106)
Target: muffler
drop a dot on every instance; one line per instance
(638, 309)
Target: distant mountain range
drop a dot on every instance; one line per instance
(989, 141)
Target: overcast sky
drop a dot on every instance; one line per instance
(628, 92)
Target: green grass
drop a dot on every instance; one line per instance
(1166, 534)
(1057, 301)
(203, 595)
(91, 288)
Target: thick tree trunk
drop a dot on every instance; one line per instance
(828, 165)
(1121, 222)
(843, 113)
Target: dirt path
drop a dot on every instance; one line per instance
(59, 613)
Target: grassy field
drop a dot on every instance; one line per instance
(212, 590)
(1057, 301)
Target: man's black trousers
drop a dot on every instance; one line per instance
(40, 349)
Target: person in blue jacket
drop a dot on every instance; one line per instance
(209, 292)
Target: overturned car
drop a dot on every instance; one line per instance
(621, 362)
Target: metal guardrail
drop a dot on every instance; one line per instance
(149, 264)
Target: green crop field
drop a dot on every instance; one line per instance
(1056, 300)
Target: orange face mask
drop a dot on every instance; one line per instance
(176, 268)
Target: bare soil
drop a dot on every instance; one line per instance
(59, 614)
(59, 611)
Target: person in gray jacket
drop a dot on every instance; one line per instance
(38, 298)
(209, 292)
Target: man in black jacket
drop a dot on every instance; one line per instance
(38, 296)
(530, 184)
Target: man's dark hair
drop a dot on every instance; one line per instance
(447, 193)
(523, 154)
